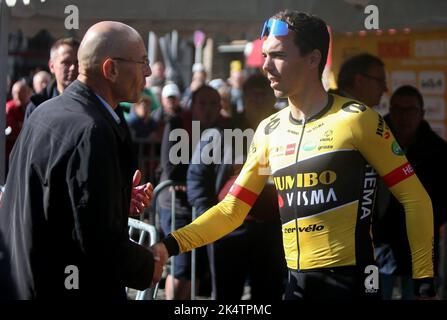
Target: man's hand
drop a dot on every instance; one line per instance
(161, 256)
(141, 195)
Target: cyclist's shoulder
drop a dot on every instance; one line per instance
(353, 110)
(348, 105)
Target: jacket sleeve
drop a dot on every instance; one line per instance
(100, 209)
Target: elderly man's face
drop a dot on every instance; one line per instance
(133, 70)
(64, 65)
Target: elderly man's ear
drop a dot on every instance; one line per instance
(110, 70)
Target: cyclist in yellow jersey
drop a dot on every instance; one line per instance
(323, 152)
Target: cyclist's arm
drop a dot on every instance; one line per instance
(232, 210)
(383, 153)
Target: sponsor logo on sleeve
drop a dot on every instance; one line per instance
(353, 107)
(396, 149)
(382, 129)
(272, 125)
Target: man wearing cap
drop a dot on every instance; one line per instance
(324, 153)
(170, 106)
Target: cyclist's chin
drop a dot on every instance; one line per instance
(279, 94)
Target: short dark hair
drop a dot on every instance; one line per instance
(196, 92)
(408, 91)
(70, 41)
(256, 81)
(311, 33)
(358, 64)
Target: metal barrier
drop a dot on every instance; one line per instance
(147, 236)
(154, 214)
(153, 218)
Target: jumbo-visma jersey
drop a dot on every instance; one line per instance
(325, 172)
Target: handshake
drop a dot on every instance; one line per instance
(161, 256)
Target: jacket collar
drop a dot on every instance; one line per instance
(82, 93)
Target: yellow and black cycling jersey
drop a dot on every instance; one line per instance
(324, 170)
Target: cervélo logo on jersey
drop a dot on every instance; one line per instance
(310, 228)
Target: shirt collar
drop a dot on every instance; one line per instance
(109, 108)
(55, 92)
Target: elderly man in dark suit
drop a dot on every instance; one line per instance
(70, 191)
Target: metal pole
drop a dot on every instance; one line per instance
(198, 54)
(5, 13)
(174, 45)
(152, 47)
(153, 216)
(172, 229)
(193, 263)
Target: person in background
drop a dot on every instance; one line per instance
(257, 243)
(236, 80)
(227, 111)
(15, 113)
(427, 152)
(170, 107)
(40, 80)
(140, 123)
(363, 78)
(198, 79)
(63, 65)
(205, 109)
(158, 76)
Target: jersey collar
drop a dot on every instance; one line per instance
(330, 100)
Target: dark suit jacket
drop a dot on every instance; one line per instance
(67, 203)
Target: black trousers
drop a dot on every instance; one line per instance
(343, 283)
(252, 253)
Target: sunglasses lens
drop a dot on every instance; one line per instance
(265, 30)
(279, 28)
(274, 27)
